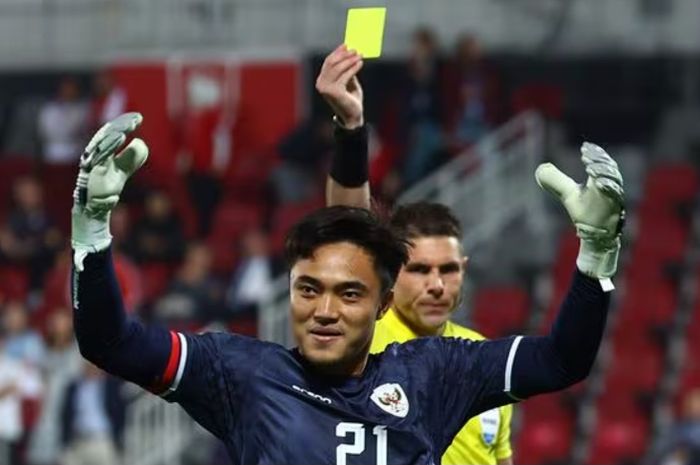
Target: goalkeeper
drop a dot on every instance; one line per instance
(328, 401)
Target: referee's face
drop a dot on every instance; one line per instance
(429, 285)
(335, 301)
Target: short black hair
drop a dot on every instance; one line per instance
(357, 226)
(422, 219)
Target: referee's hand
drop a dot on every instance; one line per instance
(338, 84)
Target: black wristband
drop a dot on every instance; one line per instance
(350, 164)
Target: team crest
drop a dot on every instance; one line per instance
(392, 399)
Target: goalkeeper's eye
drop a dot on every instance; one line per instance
(306, 290)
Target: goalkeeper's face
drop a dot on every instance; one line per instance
(336, 299)
(429, 286)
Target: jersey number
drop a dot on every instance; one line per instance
(358, 442)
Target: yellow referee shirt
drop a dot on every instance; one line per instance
(485, 439)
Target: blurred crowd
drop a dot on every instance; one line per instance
(204, 252)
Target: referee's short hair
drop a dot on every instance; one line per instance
(425, 219)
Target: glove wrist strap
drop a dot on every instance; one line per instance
(596, 262)
(88, 235)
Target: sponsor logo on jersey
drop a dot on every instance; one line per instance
(489, 420)
(311, 394)
(392, 399)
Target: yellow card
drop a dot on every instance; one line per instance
(364, 31)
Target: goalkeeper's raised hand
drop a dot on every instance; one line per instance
(101, 178)
(596, 209)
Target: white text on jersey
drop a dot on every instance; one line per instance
(311, 394)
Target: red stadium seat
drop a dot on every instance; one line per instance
(500, 310)
(615, 441)
(14, 283)
(664, 241)
(549, 407)
(543, 442)
(233, 218)
(673, 181)
(286, 216)
(643, 306)
(547, 431)
(634, 369)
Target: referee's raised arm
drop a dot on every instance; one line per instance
(106, 336)
(348, 180)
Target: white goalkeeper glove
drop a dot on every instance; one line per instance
(101, 178)
(596, 209)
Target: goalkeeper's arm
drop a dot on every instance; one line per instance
(106, 336)
(566, 355)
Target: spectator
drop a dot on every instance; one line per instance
(420, 112)
(473, 92)
(62, 363)
(303, 153)
(17, 382)
(252, 278)
(22, 342)
(109, 100)
(63, 124)
(92, 419)
(158, 236)
(29, 236)
(191, 300)
(681, 445)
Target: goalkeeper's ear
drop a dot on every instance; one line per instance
(551, 179)
(132, 157)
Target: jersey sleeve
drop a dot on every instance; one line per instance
(209, 375)
(503, 447)
(477, 376)
(463, 378)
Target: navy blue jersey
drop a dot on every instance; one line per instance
(269, 407)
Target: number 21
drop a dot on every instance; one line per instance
(358, 444)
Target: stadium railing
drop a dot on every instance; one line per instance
(156, 433)
(488, 186)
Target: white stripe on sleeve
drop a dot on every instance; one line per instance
(509, 363)
(181, 365)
